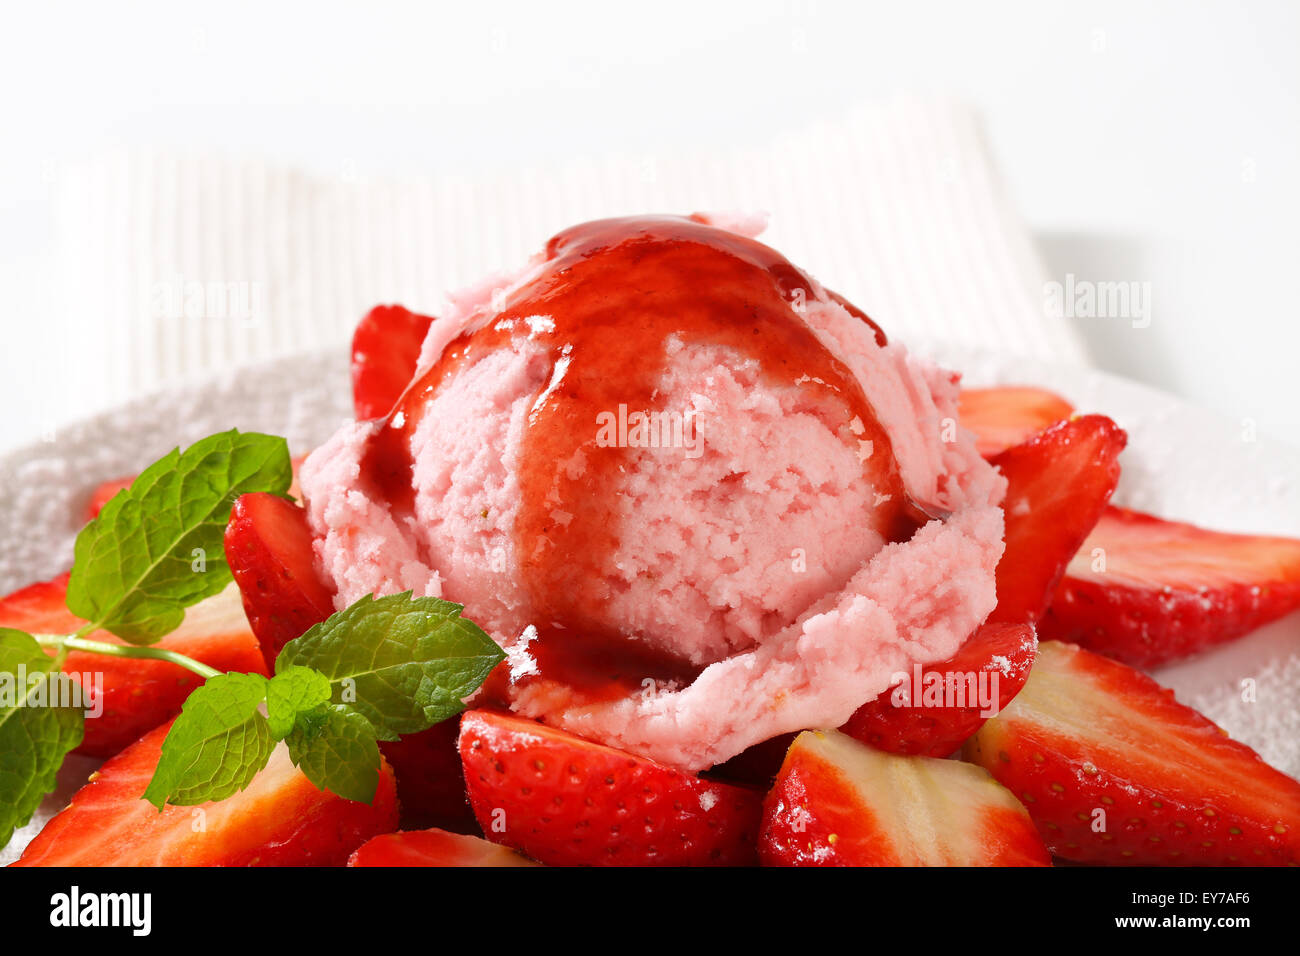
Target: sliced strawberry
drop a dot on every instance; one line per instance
(385, 350)
(1008, 415)
(431, 779)
(1058, 483)
(281, 819)
(1146, 591)
(138, 695)
(563, 800)
(434, 848)
(1114, 770)
(838, 803)
(268, 547)
(991, 667)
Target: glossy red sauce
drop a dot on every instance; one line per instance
(617, 290)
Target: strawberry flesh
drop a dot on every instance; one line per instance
(896, 722)
(1058, 484)
(1008, 415)
(839, 803)
(385, 351)
(566, 801)
(434, 848)
(1114, 770)
(1147, 591)
(269, 548)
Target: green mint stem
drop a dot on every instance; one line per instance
(65, 643)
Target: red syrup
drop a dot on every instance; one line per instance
(616, 291)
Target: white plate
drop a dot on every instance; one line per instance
(1181, 462)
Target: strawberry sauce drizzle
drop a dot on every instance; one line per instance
(616, 290)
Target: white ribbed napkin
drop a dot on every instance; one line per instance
(169, 268)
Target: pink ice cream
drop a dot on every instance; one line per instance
(692, 493)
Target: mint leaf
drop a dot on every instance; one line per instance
(34, 736)
(404, 663)
(156, 548)
(216, 746)
(297, 690)
(373, 671)
(336, 748)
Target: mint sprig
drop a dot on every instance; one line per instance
(35, 736)
(154, 550)
(156, 547)
(378, 669)
(374, 671)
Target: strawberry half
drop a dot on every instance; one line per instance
(838, 803)
(566, 801)
(992, 665)
(1008, 415)
(268, 546)
(1058, 484)
(430, 778)
(1146, 591)
(1114, 770)
(434, 848)
(385, 350)
(281, 819)
(138, 695)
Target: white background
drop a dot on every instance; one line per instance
(1142, 142)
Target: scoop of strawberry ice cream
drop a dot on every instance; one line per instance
(695, 495)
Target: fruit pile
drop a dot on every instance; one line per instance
(1083, 758)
